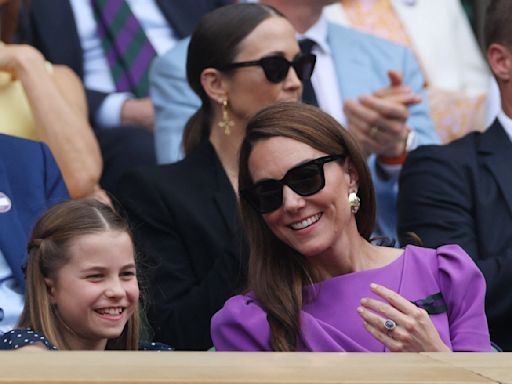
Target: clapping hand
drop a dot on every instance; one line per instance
(378, 120)
(399, 324)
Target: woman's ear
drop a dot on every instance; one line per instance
(50, 289)
(351, 175)
(214, 84)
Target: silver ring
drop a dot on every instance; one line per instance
(373, 131)
(390, 325)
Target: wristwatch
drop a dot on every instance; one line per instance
(410, 143)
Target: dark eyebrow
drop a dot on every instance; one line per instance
(101, 268)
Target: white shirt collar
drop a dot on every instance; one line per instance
(506, 123)
(318, 33)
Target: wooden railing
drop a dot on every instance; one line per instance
(286, 368)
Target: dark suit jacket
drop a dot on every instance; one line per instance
(29, 177)
(462, 193)
(186, 225)
(50, 27)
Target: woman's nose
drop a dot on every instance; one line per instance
(292, 80)
(292, 201)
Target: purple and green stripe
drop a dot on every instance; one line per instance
(128, 51)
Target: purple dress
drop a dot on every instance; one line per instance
(444, 281)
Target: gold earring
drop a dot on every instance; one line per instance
(226, 124)
(354, 202)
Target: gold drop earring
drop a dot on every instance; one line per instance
(226, 123)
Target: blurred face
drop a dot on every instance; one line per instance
(97, 291)
(247, 88)
(312, 225)
(279, 4)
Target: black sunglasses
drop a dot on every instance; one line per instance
(304, 179)
(276, 67)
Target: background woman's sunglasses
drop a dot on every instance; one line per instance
(276, 67)
(305, 179)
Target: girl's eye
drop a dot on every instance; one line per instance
(128, 274)
(95, 276)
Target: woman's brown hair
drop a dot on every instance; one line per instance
(277, 273)
(48, 251)
(214, 44)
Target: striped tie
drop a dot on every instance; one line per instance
(129, 52)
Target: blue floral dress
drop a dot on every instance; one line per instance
(18, 338)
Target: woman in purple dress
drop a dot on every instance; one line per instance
(317, 283)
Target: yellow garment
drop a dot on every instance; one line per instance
(454, 113)
(16, 117)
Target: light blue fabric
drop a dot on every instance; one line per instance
(362, 62)
(173, 99)
(11, 297)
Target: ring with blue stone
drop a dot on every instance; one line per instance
(390, 325)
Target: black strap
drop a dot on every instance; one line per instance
(433, 304)
(308, 93)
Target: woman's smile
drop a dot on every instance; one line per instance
(307, 222)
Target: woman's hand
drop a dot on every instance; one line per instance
(414, 331)
(15, 58)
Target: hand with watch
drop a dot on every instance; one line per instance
(410, 144)
(379, 121)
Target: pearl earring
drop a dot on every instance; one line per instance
(354, 202)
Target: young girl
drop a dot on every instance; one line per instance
(81, 283)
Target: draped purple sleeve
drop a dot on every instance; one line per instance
(241, 325)
(463, 288)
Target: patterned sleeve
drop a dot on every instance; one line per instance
(19, 338)
(463, 288)
(241, 325)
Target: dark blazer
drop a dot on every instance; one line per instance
(462, 193)
(50, 27)
(186, 226)
(30, 178)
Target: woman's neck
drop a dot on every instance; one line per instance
(227, 147)
(353, 253)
